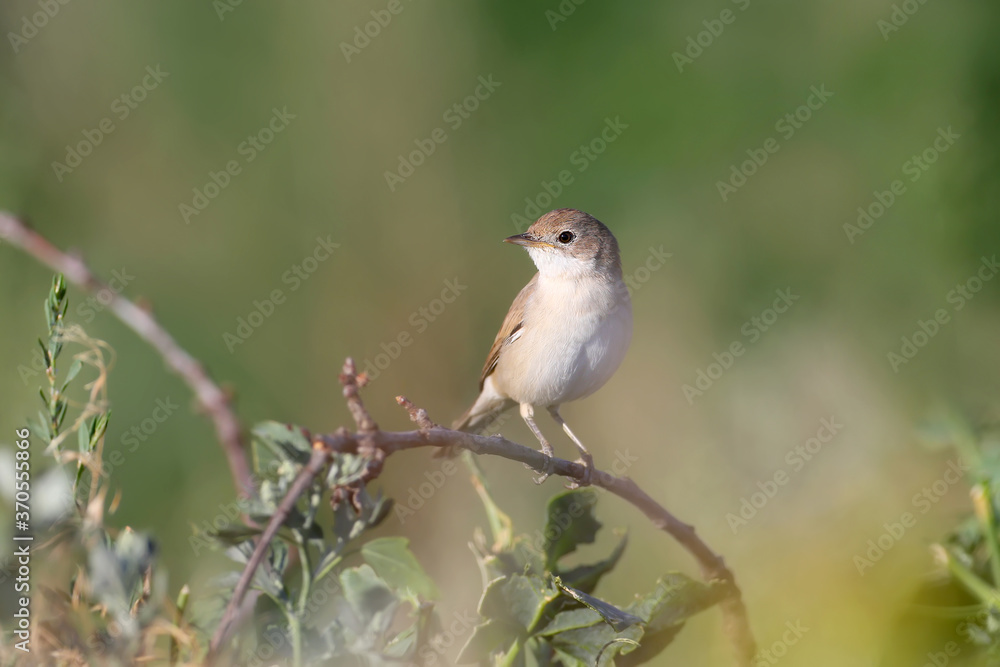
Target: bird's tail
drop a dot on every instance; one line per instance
(480, 415)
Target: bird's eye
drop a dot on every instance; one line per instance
(565, 237)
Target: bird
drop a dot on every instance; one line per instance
(566, 332)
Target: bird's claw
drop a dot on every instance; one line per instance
(548, 453)
(587, 461)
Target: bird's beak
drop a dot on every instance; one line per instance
(527, 241)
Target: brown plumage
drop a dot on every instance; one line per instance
(567, 245)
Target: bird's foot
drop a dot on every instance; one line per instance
(587, 461)
(548, 453)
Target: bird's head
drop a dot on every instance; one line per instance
(572, 243)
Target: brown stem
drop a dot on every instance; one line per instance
(712, 565)
(317, 461)
(369, 441)
(208, 394)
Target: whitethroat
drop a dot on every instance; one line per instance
(566, 332)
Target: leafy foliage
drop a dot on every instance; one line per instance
(116, 599)
(321, 605)
(328, 591)
(966, 598)
(536, 611)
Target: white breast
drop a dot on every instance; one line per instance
(575, 335)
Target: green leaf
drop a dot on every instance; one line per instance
(514, 656)
(539, 653)
(345, 469)
(285, 441)
(60, 412)
(83, 436)
(74, 370)
(586, 577)
(235, 534)
(59, 286)
(392, 560)
(348, 524)
(652, 645)
(580, 647)
(570, 522)
(485, 639)
(615, 617)
(364, 590)
(519, 600)
(331, 558)
(42, 427)
(676, 598)
(572, 619)
(98, 428)
(45, 354)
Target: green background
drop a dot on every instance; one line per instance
(655, 186)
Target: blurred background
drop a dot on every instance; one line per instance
(366, 164)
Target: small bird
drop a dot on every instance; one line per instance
(566, 332)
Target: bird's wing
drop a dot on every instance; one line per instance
(509, 329)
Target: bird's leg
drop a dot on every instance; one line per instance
(586, 459)
(528, 415)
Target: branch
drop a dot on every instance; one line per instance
(368, 441)
(303, 480)
(369, 438)
(208, 394)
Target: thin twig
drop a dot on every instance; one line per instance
(208, 394)
(712, 565)
(317, 461)
(369, 441)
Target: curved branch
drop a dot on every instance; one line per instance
(208, 394)
(382, 443)
(302, 481)
(369, 441)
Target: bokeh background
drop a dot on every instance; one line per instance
(356, 111)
